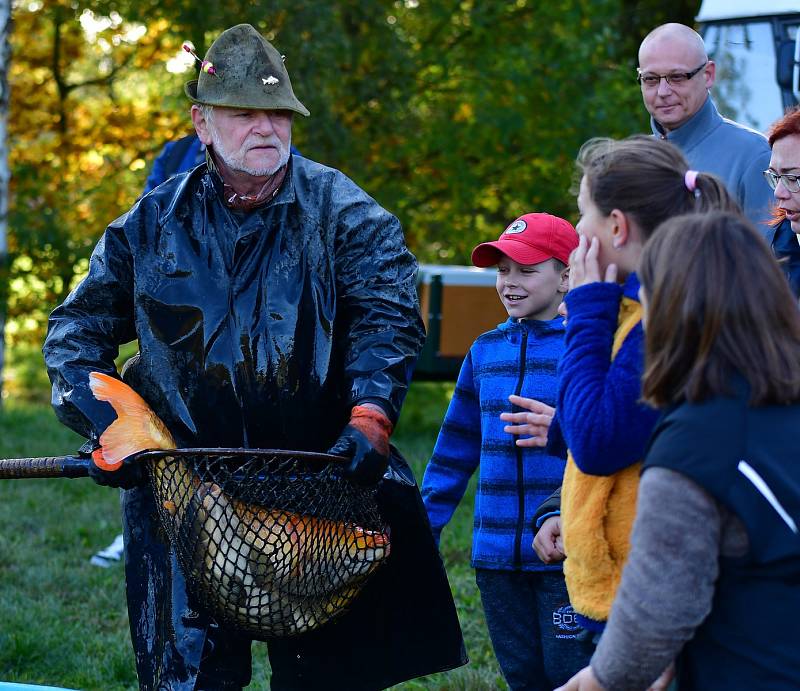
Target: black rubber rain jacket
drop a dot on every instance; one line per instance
(259, 329)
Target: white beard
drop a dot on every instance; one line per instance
(236, 160)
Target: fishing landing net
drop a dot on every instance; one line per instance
(271, 543)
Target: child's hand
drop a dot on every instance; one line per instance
(535, 423)
(585, 680)
(584, 266)
(663, 682)
(548, 543)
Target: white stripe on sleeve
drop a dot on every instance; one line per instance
(751, 474)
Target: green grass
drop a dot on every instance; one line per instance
(63, 622)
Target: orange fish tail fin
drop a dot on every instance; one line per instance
(136, 428)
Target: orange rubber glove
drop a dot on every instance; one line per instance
(365, 441)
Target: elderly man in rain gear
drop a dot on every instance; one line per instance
(274, 305)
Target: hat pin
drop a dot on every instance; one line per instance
(205, 65)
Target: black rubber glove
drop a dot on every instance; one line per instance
(367, 464)
(127, 476)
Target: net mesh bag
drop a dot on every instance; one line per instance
(271, 543)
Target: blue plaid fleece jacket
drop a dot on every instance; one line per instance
(516, 357)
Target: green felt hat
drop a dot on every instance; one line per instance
(247, 73)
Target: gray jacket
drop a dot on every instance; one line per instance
(733, 152)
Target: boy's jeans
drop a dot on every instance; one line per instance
(532, 627)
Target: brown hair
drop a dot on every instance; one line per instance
(644, 178)
(788, 125)
(717, 304)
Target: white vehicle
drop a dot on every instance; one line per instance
(755, 46)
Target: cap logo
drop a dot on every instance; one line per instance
(269, 80)
(517, 226)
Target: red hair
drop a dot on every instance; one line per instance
(788, 125)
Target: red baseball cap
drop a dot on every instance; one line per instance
(531, 239)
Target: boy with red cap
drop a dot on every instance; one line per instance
(527, 608)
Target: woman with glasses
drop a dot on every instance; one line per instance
(783, 176)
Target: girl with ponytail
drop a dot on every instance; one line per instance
(627, 189)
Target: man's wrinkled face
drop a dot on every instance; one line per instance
(672, 105)
(255, 142)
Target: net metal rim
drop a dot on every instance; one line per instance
(156, 454)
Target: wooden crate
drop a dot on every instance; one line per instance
(458, 304)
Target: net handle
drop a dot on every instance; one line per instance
(78, 466)
(45, 467)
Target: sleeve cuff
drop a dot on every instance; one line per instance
(593, 298)
(544, 517)
(556, 444)
(383, 404)
(599, 675)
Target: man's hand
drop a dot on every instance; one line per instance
(585, 680)
(548, 543)
(127, 476)
(365, 441)
(534, 420)
(584, 266)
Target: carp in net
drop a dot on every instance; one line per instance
(272, 543)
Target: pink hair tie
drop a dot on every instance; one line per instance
(690, 180)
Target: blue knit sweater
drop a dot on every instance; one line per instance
(600, 413)
(517, 357)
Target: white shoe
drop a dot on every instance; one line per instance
(111, 554)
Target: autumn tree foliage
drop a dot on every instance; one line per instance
(82, 127)
(5, 56)
(457, 115)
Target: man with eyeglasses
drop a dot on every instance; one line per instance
(675, 76)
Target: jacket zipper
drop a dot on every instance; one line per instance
(523, 355)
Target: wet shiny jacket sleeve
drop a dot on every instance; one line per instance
(376, 290)
(84, 333)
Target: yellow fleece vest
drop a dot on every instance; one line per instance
(597, 514)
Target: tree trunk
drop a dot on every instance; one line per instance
(5, 57)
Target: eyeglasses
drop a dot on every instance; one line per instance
(790, 182)
(650, 80)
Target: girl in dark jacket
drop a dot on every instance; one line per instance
(713, 575)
